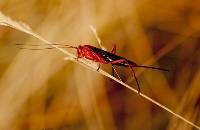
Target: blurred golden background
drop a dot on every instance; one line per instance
(41, 91)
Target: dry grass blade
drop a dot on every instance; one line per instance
(97, 37)
(6, 21)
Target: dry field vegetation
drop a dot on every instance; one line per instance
(39, 90)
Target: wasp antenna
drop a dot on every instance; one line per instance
(36, 48)
(65, 45)
(53, 46)
(72, 47)
(149, 67)
(19, 44)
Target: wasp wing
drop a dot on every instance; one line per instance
(110, 57)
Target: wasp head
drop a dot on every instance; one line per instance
(81, 51)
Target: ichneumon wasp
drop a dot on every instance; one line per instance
(103, 57)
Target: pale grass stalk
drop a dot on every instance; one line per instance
(97, 37)
(6, 21)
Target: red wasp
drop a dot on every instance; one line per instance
(103, 57)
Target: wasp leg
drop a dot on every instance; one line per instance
(77, 58)
(98, 67)
(113, 50)
(134, 75)
(118, 61)
(115, 71)
(131, 68)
